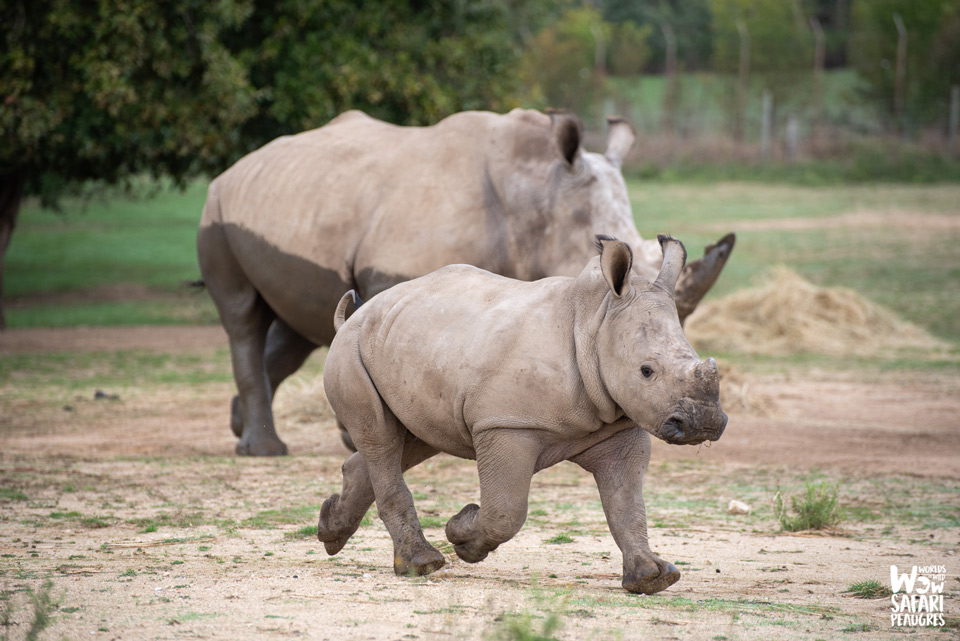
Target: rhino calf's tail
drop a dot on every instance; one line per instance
(340, 316)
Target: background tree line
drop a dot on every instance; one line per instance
(104, 90)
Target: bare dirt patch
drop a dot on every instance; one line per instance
(149, 527)
(866, 219)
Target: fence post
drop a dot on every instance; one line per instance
(954, 120)
(900, 81)
(670, 73)
(767, 126)
(743, 80)
(793, 138)
(818, 63)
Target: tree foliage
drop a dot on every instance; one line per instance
(567, 59)
(689, 19)
(779, 35)
(104, 90)
(405, 62)
(933, 53)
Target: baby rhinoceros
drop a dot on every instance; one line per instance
(518, 376)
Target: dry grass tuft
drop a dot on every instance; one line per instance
(736, 394)
(786, 314)
(301, 399)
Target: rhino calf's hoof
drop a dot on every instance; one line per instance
(424, 561)
(331, 531)
(651, 578)
(461, 532)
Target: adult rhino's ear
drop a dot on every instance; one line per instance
(616, 259)
(674, 258)
(620, 138)
(567, 131)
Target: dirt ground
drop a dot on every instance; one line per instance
(148, 527)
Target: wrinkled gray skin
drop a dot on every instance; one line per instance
(518, 376)
(361, 204)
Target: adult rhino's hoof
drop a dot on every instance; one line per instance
(651, 578)
(261, 447)
(236, 417)
(332, 531)
(423, 562)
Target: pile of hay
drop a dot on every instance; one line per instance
(786, 314)
(301, 399)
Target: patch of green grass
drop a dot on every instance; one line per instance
(528, 627)
(434, 522)
(305, 532)
(120, 239)
(559, 539)
(269, 519)
(817, 509)
(871, 589)
(86, 371)
(10, 493)
(89, 522)
(170, 519)
(857, 627)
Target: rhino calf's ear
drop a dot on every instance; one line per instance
(674, 258)
(616, 259)
(567, 130)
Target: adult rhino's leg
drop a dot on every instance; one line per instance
(618, 465)
(506, 461)
(246, 318)
(700, 275)
(286, 351)
(342, 513)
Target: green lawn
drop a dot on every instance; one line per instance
(149, 243)
(914, 272)
(145, 241)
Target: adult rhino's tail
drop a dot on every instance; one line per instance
(340, 316)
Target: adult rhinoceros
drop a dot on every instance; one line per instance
(361, 204)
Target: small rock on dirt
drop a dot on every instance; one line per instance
(737, 507)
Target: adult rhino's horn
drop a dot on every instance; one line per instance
(620, 138)
(674, 258)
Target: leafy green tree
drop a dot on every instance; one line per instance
(566, 60)
(780, 38)
(405, 62)
(933, 53)
(104, 90)
(689, 19)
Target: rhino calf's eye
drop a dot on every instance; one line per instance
(647, 371)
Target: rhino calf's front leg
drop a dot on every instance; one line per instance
(618, 465)
(505, 464)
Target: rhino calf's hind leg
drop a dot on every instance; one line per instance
(342, 513)
(618, 465)
(506, 462)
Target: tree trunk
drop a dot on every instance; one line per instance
(11, 192)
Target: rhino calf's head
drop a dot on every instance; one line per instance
(644, 365)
